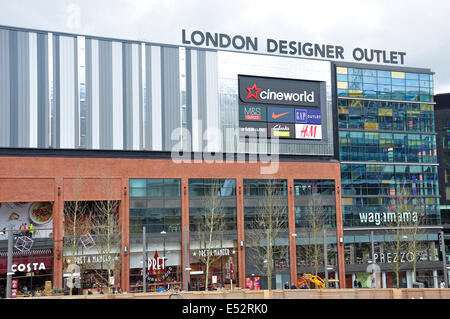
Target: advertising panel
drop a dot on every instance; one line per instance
(308, 131)
(294, 104)
(291, 92)
(253, 283)
(252, 113)
(281, 130)
(28, 219)
(308, 116)
(281, 114)
(252, 129)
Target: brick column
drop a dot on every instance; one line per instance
(185, 223)
(241, 232)
(292, 239)
(58, 233)
(340, 233)
(124, 222)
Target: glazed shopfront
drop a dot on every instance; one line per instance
(32, 245)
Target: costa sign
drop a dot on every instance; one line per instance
(261, 90)
(28, 267)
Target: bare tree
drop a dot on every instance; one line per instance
(106, 230)
(404, 227)
(211, 228)
(269, 226)
(315, 220)
(76, 224)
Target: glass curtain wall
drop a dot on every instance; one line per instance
(156, 205)
(266, 234)
(213, 233)
(315, 219)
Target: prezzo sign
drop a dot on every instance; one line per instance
(260, 90)
(390, 258)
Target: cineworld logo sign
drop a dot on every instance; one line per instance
(279, 96)
(278, 91)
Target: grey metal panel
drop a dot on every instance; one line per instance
(170, 95)
(148, 99)
(189, 87)
(127, 97)
(202, 114)
(105, 96)
(56, 97)
(88, 86)
(14, 96)
(141, 102)
(43, 91)
(23, 90)
(5, 101)
(77, 95)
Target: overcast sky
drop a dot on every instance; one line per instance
(419, 28)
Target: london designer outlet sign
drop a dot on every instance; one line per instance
(289, 47)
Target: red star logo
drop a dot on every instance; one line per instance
(250, 94)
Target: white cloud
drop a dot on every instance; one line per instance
(416, 27)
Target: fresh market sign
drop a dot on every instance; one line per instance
(289, 47)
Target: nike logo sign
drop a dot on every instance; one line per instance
(275, 116)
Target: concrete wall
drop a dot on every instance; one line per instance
(414, 293)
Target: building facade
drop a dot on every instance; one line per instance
(123, 154)
(389, 165)
(442, 117)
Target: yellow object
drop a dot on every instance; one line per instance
(319, 282)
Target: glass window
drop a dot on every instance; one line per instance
(412, 76)
(384, 74)
(341, 70)
(343, 78)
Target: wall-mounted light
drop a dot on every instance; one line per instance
(125, 191)
(184, 190)
(341, 240)
(58, 254)
(125, 250)
(59, 191)
(294, 235)
(242, 244)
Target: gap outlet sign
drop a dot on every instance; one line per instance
(290, 109)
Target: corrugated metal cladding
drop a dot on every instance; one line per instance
(68, 91)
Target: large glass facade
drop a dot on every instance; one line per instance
(378, 124)
(383, 84)
(387, 146)
(266, 233)
(315, 220)
(156, 205)
(213, 233)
